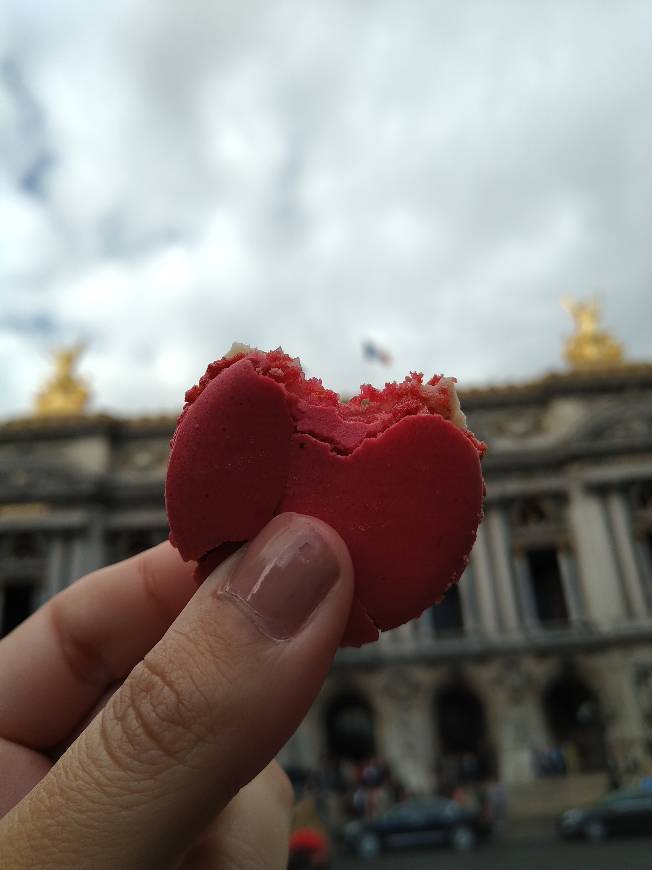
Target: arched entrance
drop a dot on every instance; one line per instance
(576, 723)
(350, 729)
(464, 754)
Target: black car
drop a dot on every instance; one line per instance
(625, 812)
(417, 822)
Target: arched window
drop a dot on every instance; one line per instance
(576, 723)
(464, 754)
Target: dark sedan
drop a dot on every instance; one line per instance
(417, 822)
(625, 812)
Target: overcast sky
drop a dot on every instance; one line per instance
(434, 176)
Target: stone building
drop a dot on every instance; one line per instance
(543, 646)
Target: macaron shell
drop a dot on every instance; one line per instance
(229, 461)
(359, 628)
(407, 503)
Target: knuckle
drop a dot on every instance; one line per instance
(149, 579)
(160, 713)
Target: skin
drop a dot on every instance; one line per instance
(139, 719)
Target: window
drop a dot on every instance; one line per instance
(447, 616)
(409, 813)
(547, 587)
(18, 601)
(635, 803)
(641, 495)
(130, 542)
(27, 545)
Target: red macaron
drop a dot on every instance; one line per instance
(394, 471)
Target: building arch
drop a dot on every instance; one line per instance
(464, 754)
(350, 728)
(575, 722)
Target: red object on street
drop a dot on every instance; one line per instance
(312, 842)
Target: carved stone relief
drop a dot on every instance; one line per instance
(143, 456)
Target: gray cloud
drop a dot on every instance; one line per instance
(433, 176)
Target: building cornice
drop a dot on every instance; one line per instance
(86, 424)
(483, 648)
(624, 376)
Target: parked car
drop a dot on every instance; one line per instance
(625, 812)
(417, 822)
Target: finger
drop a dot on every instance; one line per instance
(20, 770)
(252, 832)
(58, 751)
(201, 715)
(57, 664)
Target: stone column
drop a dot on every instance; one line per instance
(77, 556)
(524, 591)
(405, 636)
(572, 591)
(514, 751)
(624, 543)
(57, 563)
(403, 707)
(424, 630)
(638, 688)
(625, 692)
(302, 749)
(389, 640)
(597, 567)
(484, 584)
(517, 721)
(469, 599)
(95, 555)
(496, 525)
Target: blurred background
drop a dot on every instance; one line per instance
(379, 187)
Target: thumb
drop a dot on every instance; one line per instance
(202, 714)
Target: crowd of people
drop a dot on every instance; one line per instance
(328, 798)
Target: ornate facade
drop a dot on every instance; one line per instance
(545, 645)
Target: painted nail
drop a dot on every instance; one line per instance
(284, 575)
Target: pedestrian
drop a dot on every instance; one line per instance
(497, 800)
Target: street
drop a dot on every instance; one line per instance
(535, 853)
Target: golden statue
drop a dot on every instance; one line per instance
(589, 347)
(65, 394)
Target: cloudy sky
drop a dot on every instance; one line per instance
(433, 176)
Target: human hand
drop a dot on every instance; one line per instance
(175, 770)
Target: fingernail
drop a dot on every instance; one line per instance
(284, 575)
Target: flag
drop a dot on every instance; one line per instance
(371, 351)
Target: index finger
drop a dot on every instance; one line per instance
(57, 664)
